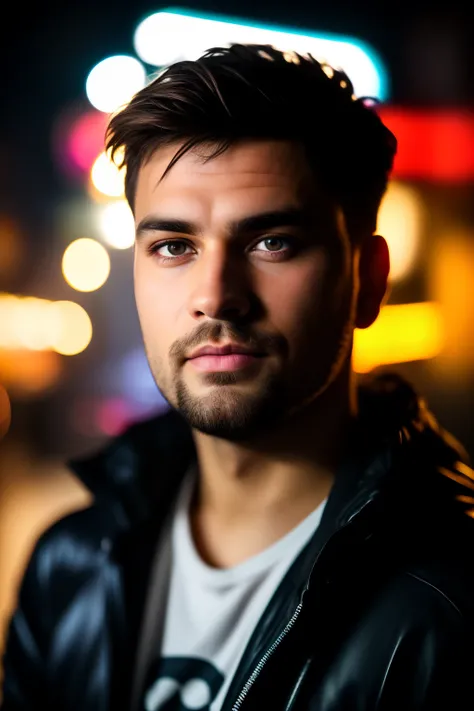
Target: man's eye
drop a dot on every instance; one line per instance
(275, 245)
(167, 251)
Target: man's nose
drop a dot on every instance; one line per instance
(222, 288)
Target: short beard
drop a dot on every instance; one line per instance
(231, 415)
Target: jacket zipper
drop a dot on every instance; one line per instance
(256, 672)
(291, 622)
(270, 651)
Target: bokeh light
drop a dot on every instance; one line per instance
(166, 37)
(116, 224)
(434, 144)
(106, 176)
(85, 139)
(31, 323)
(450, 275)
(24, 323)
(9, 315)
(86, 264)
(400, 222)
(113, 82)
(27, 373)
(70, 327)
(112, 416)
(401, 333)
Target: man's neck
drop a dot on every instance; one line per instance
(251, 494)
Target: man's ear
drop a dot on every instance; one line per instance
(374, 268)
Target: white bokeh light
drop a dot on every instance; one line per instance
(86, 264)
(113, 82)
(70, 327)
(106, 177)
(166, 37)
(116, 224)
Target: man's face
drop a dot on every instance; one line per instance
(247, 250)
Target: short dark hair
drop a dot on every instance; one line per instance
(258, 92)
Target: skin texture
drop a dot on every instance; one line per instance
(269, 436)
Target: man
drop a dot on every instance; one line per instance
(284, 538)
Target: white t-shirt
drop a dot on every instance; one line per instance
(211, 613)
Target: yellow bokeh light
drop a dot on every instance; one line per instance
(31, 323)
(402, 333)
(27, 372)
(451, 268)
(399, 221)
(106, 176)
(71, 327)
(86, 264)
(9, 313)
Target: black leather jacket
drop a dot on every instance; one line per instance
(376, 613)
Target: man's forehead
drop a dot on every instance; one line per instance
(262, 170)
(281, 160)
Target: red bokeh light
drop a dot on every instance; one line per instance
(78, 138)
(112, 416)
(433, 145)
(86, 139)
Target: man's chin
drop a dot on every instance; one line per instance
(229, 431)
(227, 415)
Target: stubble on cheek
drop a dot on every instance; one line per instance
(163, 375)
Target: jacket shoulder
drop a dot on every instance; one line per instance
(58, 593)
(66, 556)
(68, 539)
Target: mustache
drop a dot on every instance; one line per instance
(223, 332)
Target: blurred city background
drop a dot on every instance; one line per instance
(72, 367)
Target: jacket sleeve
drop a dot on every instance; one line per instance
(449, 682)
(431, 667)
(24, 663)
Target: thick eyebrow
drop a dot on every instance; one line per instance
(287, 217)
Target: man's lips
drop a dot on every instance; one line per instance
(213, 363)
(227, 349)
(229, 357)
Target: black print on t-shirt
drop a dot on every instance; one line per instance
(182, 684)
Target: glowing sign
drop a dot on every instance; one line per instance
(173, 34)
